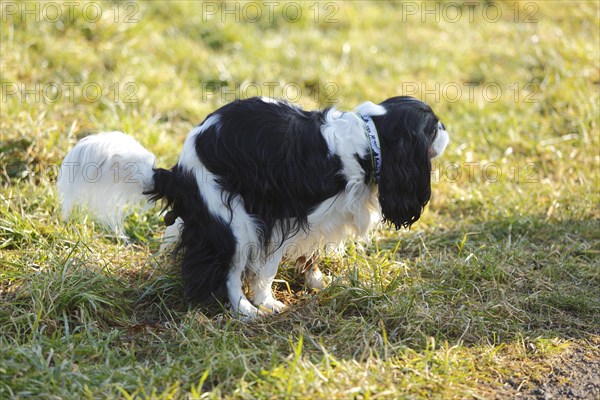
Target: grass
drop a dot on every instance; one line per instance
(489, 295)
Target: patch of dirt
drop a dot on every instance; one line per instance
(574, 376)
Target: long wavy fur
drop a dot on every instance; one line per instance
(406, 132)
(261, 172)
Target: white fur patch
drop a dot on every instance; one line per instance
(269, 100)
(188, 156)
(105, 173)
(441, 141)
(345, 137)
(171, 235)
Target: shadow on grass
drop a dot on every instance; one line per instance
(421, 303)
(482, 283)
(485, 282)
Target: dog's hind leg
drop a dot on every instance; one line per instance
(171, 236)
(313, 277)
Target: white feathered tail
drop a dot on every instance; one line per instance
(106, 174)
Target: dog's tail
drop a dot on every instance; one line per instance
(108, 174)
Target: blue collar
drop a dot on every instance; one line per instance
(375, 148)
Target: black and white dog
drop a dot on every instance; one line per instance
(261, 180)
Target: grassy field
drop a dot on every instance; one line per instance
(494, 293)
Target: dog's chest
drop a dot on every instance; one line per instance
(330, 224)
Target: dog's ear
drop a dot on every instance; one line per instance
(370, 109)
(404, 185)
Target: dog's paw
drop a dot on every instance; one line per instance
(314, 279)
(271, 306)
(246, 311)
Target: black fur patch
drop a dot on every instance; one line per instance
(207, 243)
(406, 132)
(275, 159)
(274, 156)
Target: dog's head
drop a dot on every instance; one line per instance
(410, 135)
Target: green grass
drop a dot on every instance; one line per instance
(486, 297)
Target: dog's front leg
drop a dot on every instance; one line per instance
(263, 282)
(239, 302)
